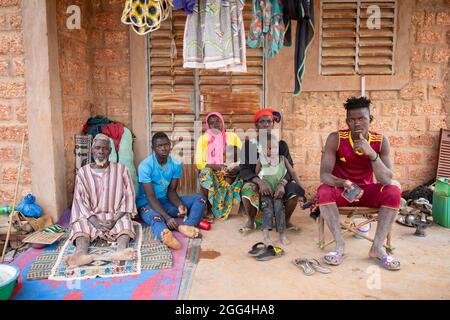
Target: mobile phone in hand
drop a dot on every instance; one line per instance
(352, 195)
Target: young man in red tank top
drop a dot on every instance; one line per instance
(355, 156)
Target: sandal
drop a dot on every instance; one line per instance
(270, 253)
(315, 264)
(334, 258)
(257, 249)
(304, 265)
(388, 262)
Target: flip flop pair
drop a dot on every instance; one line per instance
(310, 266)
(261, 252)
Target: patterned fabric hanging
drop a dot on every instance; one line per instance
(267, 28)
(146, 15)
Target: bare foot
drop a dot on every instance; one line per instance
(124, 255)
(266, 238)
(77, 260)
(169, 240)
(284, 240)
(189, 231)
(377, 253)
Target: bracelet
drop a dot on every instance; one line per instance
(376, 158)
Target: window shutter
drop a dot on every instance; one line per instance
(350, 45)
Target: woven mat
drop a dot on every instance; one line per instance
(154, 256)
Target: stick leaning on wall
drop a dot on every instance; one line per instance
(8, 234)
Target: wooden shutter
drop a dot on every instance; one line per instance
(349, 46)
(443, 170)
(236, 95)
(172, 92)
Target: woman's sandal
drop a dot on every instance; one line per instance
(270, 253)
(257, 249)
(304, 265)
(317, 266)
(388, 262)
(334, 258)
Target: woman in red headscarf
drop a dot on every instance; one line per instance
(216, 158)
(291, 192)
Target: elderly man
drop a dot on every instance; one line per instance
(351, 159)
(103, 205)
(254, 187)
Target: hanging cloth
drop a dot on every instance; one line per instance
(214, 36)
(115, 132)
(186, 5)
(146, 15)
(303, 12)
(267, 27)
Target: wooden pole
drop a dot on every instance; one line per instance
(8, 234)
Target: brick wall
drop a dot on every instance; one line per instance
(13, 116)
(411, 117)
(94, 64)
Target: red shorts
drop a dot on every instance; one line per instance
(375, 196)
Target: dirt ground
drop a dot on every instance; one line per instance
(225, 271)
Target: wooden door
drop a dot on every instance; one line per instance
(179, 97)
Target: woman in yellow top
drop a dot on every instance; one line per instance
(216, 158)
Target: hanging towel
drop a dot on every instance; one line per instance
(303, 12)
(214, 36)
(267, 27)
(114, 131)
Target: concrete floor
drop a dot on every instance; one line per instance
(225, 271)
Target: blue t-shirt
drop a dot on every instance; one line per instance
(150, 171)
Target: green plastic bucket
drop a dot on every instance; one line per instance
(441, 209)
(8, 279)
(442, 186)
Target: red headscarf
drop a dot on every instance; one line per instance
(275, 115)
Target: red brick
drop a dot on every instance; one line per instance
(11, 43)
(8, 154)
(118, 74)
(425, 72)
(118, 108)
(427, 54)
(19, 67)
(11, 133)
(314, 156)
(324, 124)
(74, 88)
(441, 55)
(416, 54)
(383, 124)
(431, 108)
(108, 91)
(422, 174)
(114, 39)
(406, 157)
(438, 90)
(397, 141)
(15, 21)
(21, 114)
(401, 108)
(4, 68)
(287, 103)
(9, 175)
(295, 121)
(72, 105)
(9, 3)
(411, 124)
(6, 196)
(428, 37)
(422, 140)
(443, 18)
(306, 138)
(413, 92)
(383, 95)
(436, 123)
(5, 112)
(107, 57)
(10, 90)
(418, 17)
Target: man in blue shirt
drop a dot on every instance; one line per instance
(157, 200)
